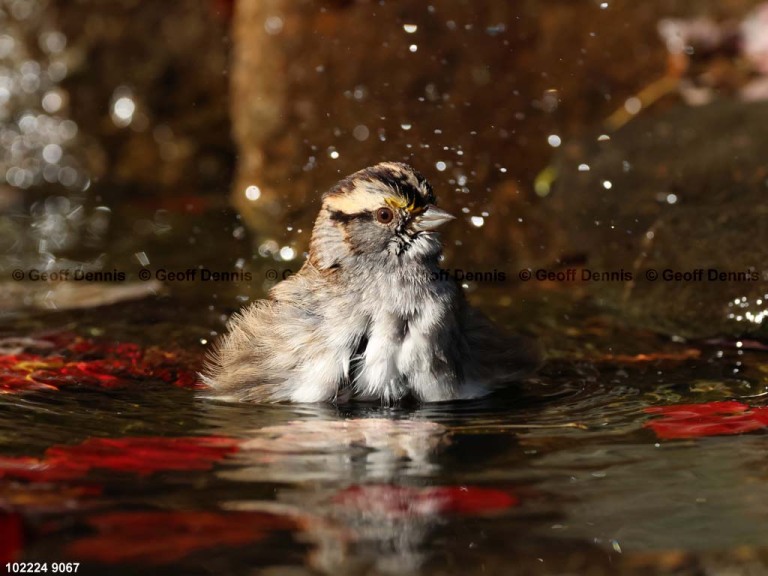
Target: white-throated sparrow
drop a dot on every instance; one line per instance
(369, 316)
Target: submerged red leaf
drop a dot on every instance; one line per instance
(45, 497)
(104, 364)
(141, 456)
(11, 536)
(394, 501)
(162, 537)
(707, 419)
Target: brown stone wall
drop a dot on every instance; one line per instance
(172, 59)
(321, 89)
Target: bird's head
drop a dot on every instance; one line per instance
(385, 213)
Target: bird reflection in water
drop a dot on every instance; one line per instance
(361, 486)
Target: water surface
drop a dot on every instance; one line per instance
(559, 474)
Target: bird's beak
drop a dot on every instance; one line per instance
(431, 218)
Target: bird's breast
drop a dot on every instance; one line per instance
(400, 351)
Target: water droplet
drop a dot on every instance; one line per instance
(359, 93)
(51, 173)
(361, 132)
(554, 140)
(52, 102)
(550, 100)
(273, 25)
(22, 9)
(53, 42)
(52, 153)
(406, 126)
(413, 47)
(607, 184)
(496, 29)
(123, 107)
(287, 253)
(477, 221)
(441, 166)
(57, 71)
(268, 248)
(583, 167)
(67, 130)
(410, 28)
(253, 192)
(633, 105)
(67, 176)
(671, 198)
(7, 44)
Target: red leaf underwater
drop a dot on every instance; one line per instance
(162, 537)
(141, 456)
(68, 359)
(708, 419)
(11, 536)
(396, 501)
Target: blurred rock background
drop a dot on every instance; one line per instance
(149, 84)
(476, 94)
(115, 127)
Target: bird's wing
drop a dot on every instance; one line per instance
(262, 348)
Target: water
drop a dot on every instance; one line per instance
(559, 475)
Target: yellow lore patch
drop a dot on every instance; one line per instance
(402, 203)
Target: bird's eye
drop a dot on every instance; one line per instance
(384, 215)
